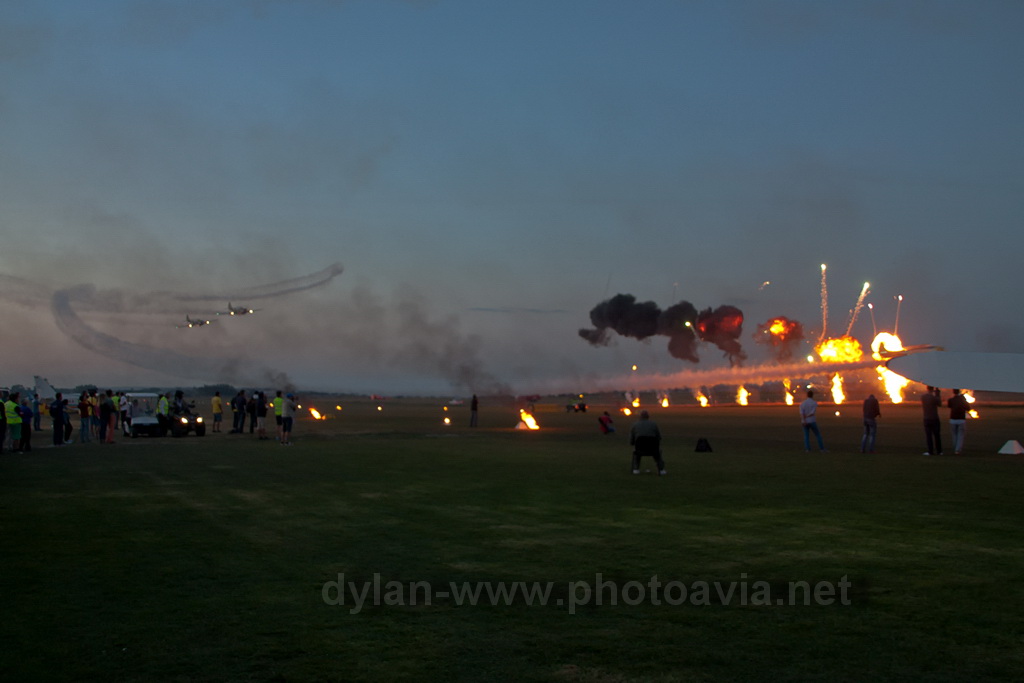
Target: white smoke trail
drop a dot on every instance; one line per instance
(699, 378)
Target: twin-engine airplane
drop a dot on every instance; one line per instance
(238, 310)
(189, 322)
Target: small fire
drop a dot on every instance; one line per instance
(527, 420)
(742, 395)
(447, 420)
(894, 383)
(837, 390)
(789, 391)
(627, 411)
(840, 350)
(316, 414)
(702, 399)
(636, 402)
(664, 402)
(970, 399)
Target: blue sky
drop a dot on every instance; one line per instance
(488, 172)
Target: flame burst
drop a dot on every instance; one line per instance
(837, 389)
(970, 399)
(316, 414)
(528, 420)
(843, 349)
(636, 402)
(702, 399)
(742, 396)
(894, 384)
(789, 392)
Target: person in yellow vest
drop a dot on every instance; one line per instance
(162, 408)
(217, 403)
(278, 410)
(13, 413)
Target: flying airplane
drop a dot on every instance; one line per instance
(239, 310)
(189, 322)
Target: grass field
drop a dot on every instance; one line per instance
(218, 558)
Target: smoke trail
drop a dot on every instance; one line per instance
(291, 286)
(699, 378)
(162, 360)
(27, 293)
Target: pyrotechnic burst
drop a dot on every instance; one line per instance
(782, 335)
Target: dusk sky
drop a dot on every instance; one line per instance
(488, 172)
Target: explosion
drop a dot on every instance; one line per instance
(316, 414)
(894, 383)
(843, 349)
(702, 399)
(782, 334)
(742, 396)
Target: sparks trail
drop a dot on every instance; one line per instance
(681, 323)
(824, 304)
(857, 307)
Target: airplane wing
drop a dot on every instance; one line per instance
(977, 371)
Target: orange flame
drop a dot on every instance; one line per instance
(627, 411)
(316, 414)
(970, 399)
(528, 420)
(789, 392)
(664, 402)
(636, 402)
(837, 390)
(893, 382)
(840, 350)
(742, 395)
(702, 399)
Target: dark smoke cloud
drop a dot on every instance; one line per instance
(723, 327)
(681, 323)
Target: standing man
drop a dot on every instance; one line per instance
(57, 413)
(474, 408)
(872, 412)
(217, 404)
(645, 438)
(958, 408)
(288, 407)
(809, 420)
(930, 402)
(261, 416)
(36, 404)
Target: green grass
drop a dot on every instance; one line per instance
(205, 559)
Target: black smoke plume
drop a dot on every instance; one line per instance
(681, 323)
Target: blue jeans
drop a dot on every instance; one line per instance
(83, 430)
(808, 428)
(867, 442)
